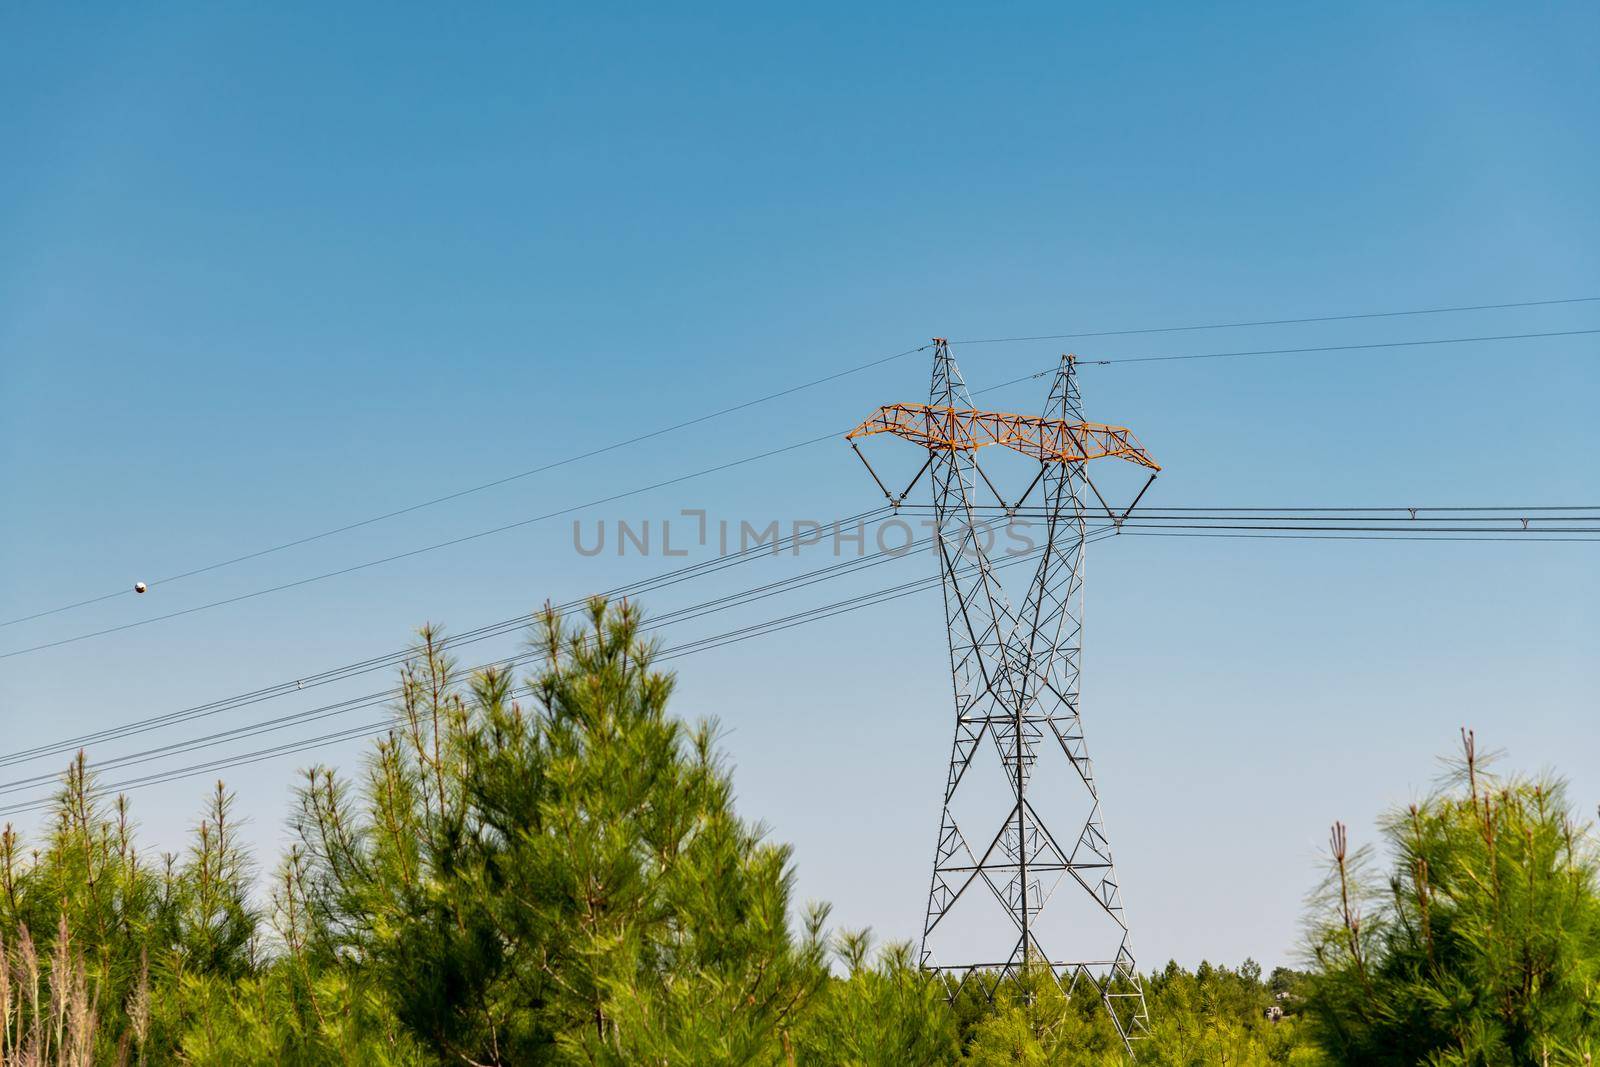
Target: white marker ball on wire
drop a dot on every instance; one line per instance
(139, 587)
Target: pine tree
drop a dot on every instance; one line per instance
(885, 1012)
(560, 882)
(1482, 945)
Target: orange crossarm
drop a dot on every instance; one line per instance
(1047, 440)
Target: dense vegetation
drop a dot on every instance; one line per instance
(554, 873)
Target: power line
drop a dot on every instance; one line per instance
(415, 551)
(881, 596)
(1217, 508)
(206, 768)
(1403, 528)
(826, 611)
(1214, 518)
(1388, 507)
(760, 629)
(1229, 522)
(1325, 522)
(725, 466)
(673, 618)
(769, 625)
(1410, 516)
(339, 572)
(1036, 375)
(1283, 322)
(743, 405)
(459, 493)
(740, 598)
(1421, 536)
(1527, 535)
(1347, 348)
(496, 628)
(251, 729)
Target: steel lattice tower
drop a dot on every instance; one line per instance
(1016, 679)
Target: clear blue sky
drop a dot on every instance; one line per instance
(263, 272)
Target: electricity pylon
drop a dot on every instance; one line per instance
(1016, 678)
